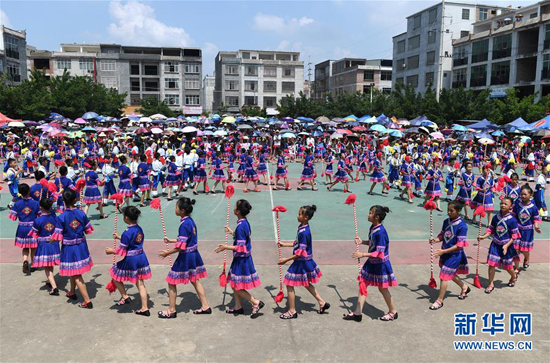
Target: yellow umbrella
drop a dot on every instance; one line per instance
(229, 120)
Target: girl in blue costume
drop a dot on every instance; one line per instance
(173, 179)
(219, 175)
(484, 186)
(433, 189)
(452, 259)
(188, 267)
(124, 181)
(48, 253)
(242, 273)
(71, 228)
(378, 175)
(134, 267)
(307, 173)
(250, 174)
(466, 183)
(281, 172)
(26, 211)
(92, 195)
(527, 215)
(377, 270)
(200, 173)
(303, 271)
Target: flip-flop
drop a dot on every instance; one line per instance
(389, 317)
(464, 294)
(489, 290)
(436, 307)
(287, 316)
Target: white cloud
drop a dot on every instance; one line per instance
(283, 45)
(135, 23)
(4, 20)
(274, 23)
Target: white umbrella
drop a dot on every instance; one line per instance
(156, 130)
(437, 135)
(220, 133)
(158, 116)
(16, 124)
(336, 136)
(145, 119)
(486, 141)
(188, 129)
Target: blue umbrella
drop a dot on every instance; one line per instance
(428, 123)
(396, 133)
(317, 134)
(460, 128)
(353, 123)
(89, 115)
(498, 133)
(379, 128)
(88, 128)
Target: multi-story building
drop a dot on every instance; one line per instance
(360, 75)
(511, 50)
(13, 54)
(208, 93)
(163, 73)
(323, 73)
(256, 78)
(427, 43)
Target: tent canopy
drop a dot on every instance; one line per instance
(483, 125)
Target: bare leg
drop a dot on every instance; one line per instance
(388, 298)
(120, 287)
(202, 294)
(311, 289)
(25, 254)
(72, 290)
(49, 275)
(172, 294)
(442, 290)
(82, 287)
(248, 297)
(360, 302)
(238, 300)
(491, 276)
(291, 299)
(142, 294)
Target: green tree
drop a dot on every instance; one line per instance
(151, 106)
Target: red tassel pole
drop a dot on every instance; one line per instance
(155, 204)
(362, 285)
(480, 210)
(279, 297)
(229, 191)
(430, 206)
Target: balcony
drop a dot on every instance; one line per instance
(460, 62)
(482, 57)
(501, 53)
(500, 79)
(478, 81)
(458, 84)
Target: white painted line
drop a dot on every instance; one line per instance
(272, 205)
(221, 200)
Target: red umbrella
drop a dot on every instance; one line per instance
(343, 131)
(141, 130)
(359, 128)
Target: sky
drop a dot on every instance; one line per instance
(320, 30)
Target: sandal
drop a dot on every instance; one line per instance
(256, 310)
(142, 312)
(54, 292)
(288, 315)
(315, 189)
(389, 317)
(167, 314)
(256, 190)
(489, 289)
(512, 282)
(72, 297)
(200, 311)
(235, 311)
(103, 216)
(245, 191)
(464, 294)
(123, 301)
(86, 305)
(436, 305)
(525, 266)
(353, 317)
(323, 308)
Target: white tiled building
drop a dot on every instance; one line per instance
(208, 93)
(416, 52)
(13, 55)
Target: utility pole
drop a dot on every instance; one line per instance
(439, 83)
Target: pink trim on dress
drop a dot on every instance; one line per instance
(80, 271)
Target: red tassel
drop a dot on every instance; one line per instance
(44, 183)
(229, 191)
(155, 203)
(59, 162)
(118, 198)
(52, 188)
(432, 283)
(279, 297)
(356, 179)
(271, 177)
(80, 184)
(430, 205)
(207, 189)
(362, 287)
(477, 283)
(101, 183)
(111, 287)
(322, 174)
(351, 199)
(387, 187)
(288, 185)
(480, 211)
(222, 279)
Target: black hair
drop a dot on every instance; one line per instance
(123, 159)
(69, 197)
(466, 163)
(508, 199)
(200, 153)
(457, 205)
(143, 157)
(24, 189)
(46, 203)
(186, 204)
(157, 155)
(172, 158)
(92, 164)
(309, 210)
(187, 150)
(527, 187)
(39, 175)
(41, 160)
(514, 175)
(243, 207)
(11, 160)
(132, 213)
(380, 211)
(63, 170)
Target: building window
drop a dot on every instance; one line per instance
(368, 75)
(1, 66)
(172, 83)
(533, 15)
(86, 64)
(150, 70)
(401, 46)
(500, 73)
(459, 78)
(417, 21)
(460, 56)
(63, 63)
(502, 46)
(288, 72)
(231, 85)
(465, 14)
(171, 67)
(546, 66)
(12, 47)
(385, 75)
(270, 71)
(412, 81)
(414, 42)
(192, 84)
(400, 65)
(478, 77)
(412, 62)
(480, 51)
(483, 14)
(192, 100)
(231, 69)
(432, 16)
(288, 87)
(250, 100)
(399, 80)
(232, 100)
(464, 33)
(270, 101)
(270, 86)
(134, 69)
(134, 85)
(431, 36)
(109, 82)
(192, 68)
(14, 72)
(429, 79)
(251, 86)
(172, 99)
(135, 99)
(250, 71)
(430, 58)
(151, 86)
(108, 65)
